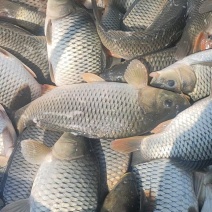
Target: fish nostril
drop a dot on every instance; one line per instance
(170, 83)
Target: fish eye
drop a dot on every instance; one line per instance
(170, 83)
(168, 103)
(210, 37)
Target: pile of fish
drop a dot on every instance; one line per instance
(105, 105)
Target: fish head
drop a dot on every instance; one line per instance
(162, 103)
(177, 77)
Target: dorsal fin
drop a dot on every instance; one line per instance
(89, 77)
(136, 74)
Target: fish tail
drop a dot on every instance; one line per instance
(18, 206)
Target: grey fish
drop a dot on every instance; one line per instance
(196, 34)
(112, 163)
(31, 50)
(62, 184)
(186, 140)
(153, 62)
(123, 197)
(104, 109)
(122, 5)
(189, 77)
(20, 174)
(166, 186)
(72, 40)
(142, 13)
(206, 6)
(40, 5)
(7, 137)
(23, 16)
(24, 87)
(131, 44)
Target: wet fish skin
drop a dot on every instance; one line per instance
(196, 23)
(80, 177)
(166, 186)
(131, 44)
(33, 53)
(153, 61)
(186, 140)
(74, 107)
(16, 184)
(24, 87)
(23, 16)
(69, 39)
(113, 164)
(122, 5)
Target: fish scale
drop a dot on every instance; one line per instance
(122, 4)
(142, 13)
(203, 84)
(66, 186)
(19, 176)
(31, 50)
(14, 73)
(167, 187)
(75, 43)
(187, 139)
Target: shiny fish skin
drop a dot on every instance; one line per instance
(114, 164)
(123, 5)
(167, 187)
(38, 4)
(23, 16)
(20, 174)
(83, 108)
(66, 185)
(196, 23)
(31, 50)
(186, 140)
(154, 62)
(131, 44)
(13, 72)
(142, 13)
(74, 42)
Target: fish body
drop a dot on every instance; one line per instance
(107, 157)
(196, 34)
(19, 176)
(122, 5)
(188, 76)
(31, 50)
(24, 87)
(153, 62)
(131, 44)
(101, 110)
(166, 186)
(73, 40)
(186, 140)
(23, 16)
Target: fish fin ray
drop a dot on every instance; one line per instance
(161, 127)
(127, 145)
(136, 74)
(183, 48)
(18, 206)
(51, 72)
(34, 151)
(89, 77)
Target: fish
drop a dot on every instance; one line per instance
(7, 137)
(128, 199)
(103, 109)
(153, 62)
(24, 87)
(31, 50)
(208, 201)
(69, 39)
(166, 186)
(106, 157)
(78, 171)
(122, 5)
(196, 34)
(205, 7)
(19, 175)
(131, 44)
(40, 5)
(191, 78)
(186, 139)
(22, 16)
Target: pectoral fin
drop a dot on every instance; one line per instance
(18, 206)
